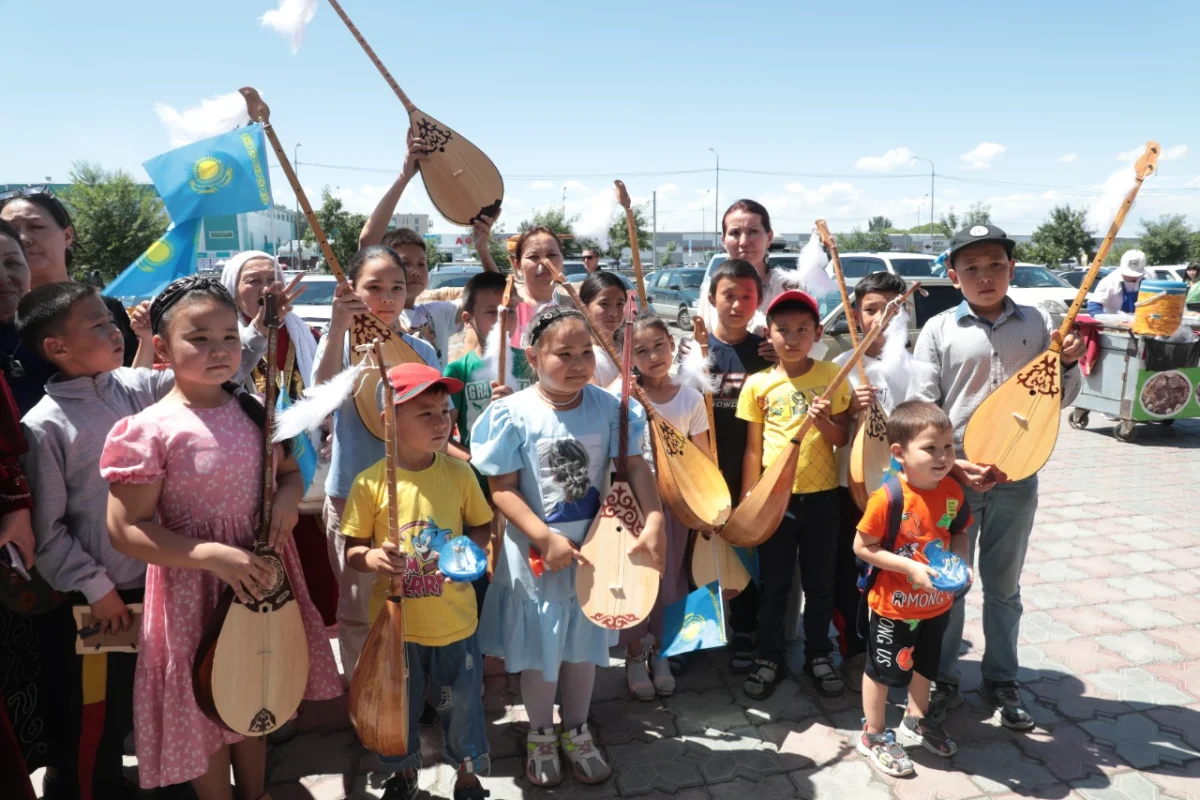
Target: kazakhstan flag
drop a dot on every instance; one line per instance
(172, 256)
(226, 174)
(303, 449)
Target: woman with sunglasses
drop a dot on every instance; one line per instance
(44, 225)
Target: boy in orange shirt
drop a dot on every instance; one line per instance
(907, 616)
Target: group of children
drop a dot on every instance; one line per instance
(146, 484)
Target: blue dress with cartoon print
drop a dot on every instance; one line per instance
(564, 459)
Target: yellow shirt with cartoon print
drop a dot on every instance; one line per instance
(780, 404)
(434, 505)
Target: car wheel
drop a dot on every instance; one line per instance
(684, 320)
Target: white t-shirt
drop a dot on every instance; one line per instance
(889, 397)
(606, 370)
(685, 411)
(435, 322)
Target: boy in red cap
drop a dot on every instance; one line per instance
(774, 403)
(437, 498)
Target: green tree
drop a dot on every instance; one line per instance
(948, 225)
(879, 225)
(341, 227)
(1194, 252)
(978, 214)
(1062, 236)
(1034, 254)
(1167, 241)
(433, 256)
(1118, 249)
(115, 219)
(858, 241)
(664, 260)
(562, 225)
(618, 232)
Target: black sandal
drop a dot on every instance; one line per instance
(761, 683)
(741, 659)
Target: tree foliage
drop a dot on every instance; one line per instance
(618, 232)
(879, 225)
(115, 219)
(341, 227)
(859, 241)
(948, 224)
(1167, 241)
(563, 226)
(664, 260)
(1064, 235)
(977, 214)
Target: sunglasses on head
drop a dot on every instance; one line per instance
(27, 191)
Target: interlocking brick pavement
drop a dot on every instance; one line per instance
(1110, 655)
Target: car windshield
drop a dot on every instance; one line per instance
(574, 268)
(691, 280)
(317, 293)
(1036, 278)
(912, 267)
(443, 279)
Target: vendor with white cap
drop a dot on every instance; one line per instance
(1117, 292)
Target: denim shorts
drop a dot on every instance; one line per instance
(455, 674)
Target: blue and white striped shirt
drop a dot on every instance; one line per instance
(960, 359)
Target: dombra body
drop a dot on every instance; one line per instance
(615, 589)
(462, 182)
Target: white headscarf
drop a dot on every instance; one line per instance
(298, 330)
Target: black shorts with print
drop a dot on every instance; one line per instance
(896, 648)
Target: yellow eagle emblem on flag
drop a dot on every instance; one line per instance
(210, 174)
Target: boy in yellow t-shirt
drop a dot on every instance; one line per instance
(437, 498)
(775, 403)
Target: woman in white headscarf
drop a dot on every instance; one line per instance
(247, 275)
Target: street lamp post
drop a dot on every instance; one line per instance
(717, 192)
(296, 218)
(931, 196)
(923, 199)
(564, 202)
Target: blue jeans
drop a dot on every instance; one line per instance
(455, 672)
(1003, 521)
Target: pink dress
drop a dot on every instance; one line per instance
(210, 463)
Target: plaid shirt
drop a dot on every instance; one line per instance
(960, 358)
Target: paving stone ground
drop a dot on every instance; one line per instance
(1110, 664)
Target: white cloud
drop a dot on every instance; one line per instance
(1193, 183)
(576, 186)
(1166, 154)
(214, 115)
(898, 157)
(1069, 158)
(540, 185)
(982, 156)
(667, 189)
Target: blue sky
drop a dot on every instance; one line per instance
(1021, 105)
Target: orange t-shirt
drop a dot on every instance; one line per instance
(930, 518)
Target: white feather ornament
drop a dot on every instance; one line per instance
(894, 366)
(694, 371)
(808, 276)
(290, 19)
(317, 403)
(491, 356)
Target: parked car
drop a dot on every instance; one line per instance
(1034, 285)
(453, 275)
(316, 304)
(1075, 276)
(856, 266)
(574, 270)
(942, 295)
(1167, 273)
(673, 294)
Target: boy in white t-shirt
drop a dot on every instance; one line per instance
(871, 296)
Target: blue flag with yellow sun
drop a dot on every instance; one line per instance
(226, 174)
(172, 256)
(695, 622)
(303, 449)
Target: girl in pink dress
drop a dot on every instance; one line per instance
(185, 477)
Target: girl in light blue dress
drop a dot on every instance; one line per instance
(547, 452)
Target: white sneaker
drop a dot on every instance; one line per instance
(542, 764)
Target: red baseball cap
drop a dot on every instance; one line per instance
(409, 380)
(795, 294)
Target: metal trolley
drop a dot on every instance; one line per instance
(1137, 379)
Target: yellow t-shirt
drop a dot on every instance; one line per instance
(781, 403)
(434, 505)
